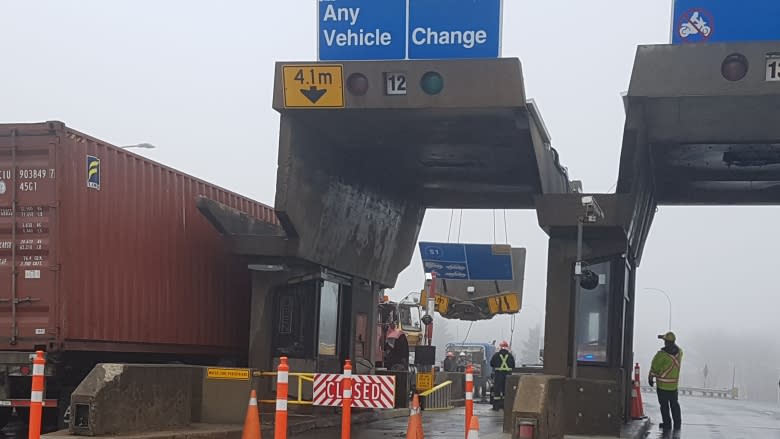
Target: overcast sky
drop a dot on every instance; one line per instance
(195, 79)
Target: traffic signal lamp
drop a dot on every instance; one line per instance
(734, 67)
(357, 84)
(432, 83)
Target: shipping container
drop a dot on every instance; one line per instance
(104, 256)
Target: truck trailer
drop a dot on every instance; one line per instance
(104, 257)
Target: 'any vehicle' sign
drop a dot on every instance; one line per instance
(368, 391)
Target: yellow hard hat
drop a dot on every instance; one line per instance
(669, 336)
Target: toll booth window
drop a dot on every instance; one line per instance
(410, 318)
(593, 313)
(329, 322)
(293, 327)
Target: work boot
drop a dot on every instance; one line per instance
(663, 426)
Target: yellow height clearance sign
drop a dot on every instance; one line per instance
(442, 304)
(504, 304)
(215, 373)
(313, 86)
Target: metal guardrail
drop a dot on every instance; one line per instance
(438, 397)
(301, 376)
(706, 393)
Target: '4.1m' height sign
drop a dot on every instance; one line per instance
(413, 29)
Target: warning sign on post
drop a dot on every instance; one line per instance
(424, 381)
(215, 373)
(368, 391)
(313, 86)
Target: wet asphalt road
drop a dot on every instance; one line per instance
(450, 424)
(705, 418)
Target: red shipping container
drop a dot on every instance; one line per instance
(111, 251)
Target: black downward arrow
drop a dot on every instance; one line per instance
(313, 94)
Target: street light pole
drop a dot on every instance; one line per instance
(668, 299)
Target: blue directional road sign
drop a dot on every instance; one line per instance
(696, 21)
(467, 261)
(362, 30)
(441, 29)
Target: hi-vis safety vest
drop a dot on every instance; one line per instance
(504, 367)
(666, 369)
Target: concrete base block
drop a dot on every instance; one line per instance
(121, 398)
(538, 399)
(593, 407)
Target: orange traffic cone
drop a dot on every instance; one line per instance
(252, 421)
(637, 407)
(414, 429)
(473, 432)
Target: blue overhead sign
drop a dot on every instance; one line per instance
(467, 261)
(414, 29)
(696, 21)
(440, 29)
(362, 29)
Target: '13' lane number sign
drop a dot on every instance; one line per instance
(395, 84)
(773, 67)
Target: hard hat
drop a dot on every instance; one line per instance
(450, 354)
(669, 336)
(462, 354)
(503, 344)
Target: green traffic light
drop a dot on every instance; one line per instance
(432, 83)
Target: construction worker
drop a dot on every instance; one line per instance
(462, 362)
(449, 363)
(503, 362)
(666, 370)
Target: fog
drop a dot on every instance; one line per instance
(195, 78)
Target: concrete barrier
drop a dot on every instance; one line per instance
(539, 400)
(136, 398)
(121, 398)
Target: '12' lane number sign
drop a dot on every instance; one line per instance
(395, 84)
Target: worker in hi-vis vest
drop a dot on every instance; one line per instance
(665, 370)
(502, 363)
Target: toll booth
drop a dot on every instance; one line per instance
(589, 319)
(315, 316)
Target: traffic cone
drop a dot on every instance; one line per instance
(637, 406)
(252, 421)
(473, 428)
(414, 430)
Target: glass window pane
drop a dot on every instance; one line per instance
(593, 312)
(410, 318)
(329, 310)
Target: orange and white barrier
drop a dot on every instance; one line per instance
(473, 431)
(252, 421)
(36, 396)
(637, 406)
(346, 409)
(282, 387)
(469, 397)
